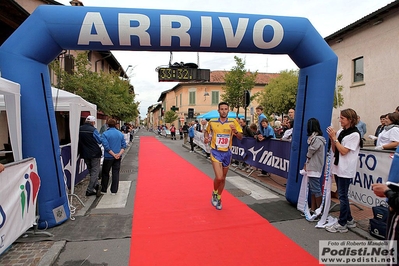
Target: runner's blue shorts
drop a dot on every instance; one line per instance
(223, 157)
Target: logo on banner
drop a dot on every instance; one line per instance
(29, 190)
(254, 153)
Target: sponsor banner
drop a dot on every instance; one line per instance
(19, 187)
(362, 252)
(372, 167)
(199, 141)
(271, 155)
(81, 168)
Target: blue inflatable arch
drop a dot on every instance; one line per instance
(25, 56)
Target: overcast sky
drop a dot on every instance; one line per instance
(327, 16)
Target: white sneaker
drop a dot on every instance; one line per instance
(214, 199)
(337, 228)
(351, 224)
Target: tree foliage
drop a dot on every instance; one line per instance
(170, 116)
(238, 80)
(108, 91)
(338, 97)
(280, 94)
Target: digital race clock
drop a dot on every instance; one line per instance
(181, 74)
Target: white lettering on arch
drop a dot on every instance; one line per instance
(93, 19)
(258, 33)
(206, 32)
(233, 40)
(126, 31)
(167, 31)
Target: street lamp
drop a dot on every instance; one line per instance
(129, 66)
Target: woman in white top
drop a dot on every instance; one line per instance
(388, 139)
(345, 144)
(288, 133)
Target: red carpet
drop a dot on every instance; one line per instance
(174, 222)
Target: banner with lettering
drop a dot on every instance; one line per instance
(19, 187)
(271, 155)
(373, 167)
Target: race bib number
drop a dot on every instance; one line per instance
(222, 140)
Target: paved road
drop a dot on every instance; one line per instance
(104, 234)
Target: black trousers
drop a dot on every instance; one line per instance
(115, 164)
(192, 144)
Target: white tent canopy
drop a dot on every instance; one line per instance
(62, 100)
(74, 104)
(10, 93)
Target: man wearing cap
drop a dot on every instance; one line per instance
(90, 151)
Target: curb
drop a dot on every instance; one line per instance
(52, 254)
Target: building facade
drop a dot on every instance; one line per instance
(368, 59)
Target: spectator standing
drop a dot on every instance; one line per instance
(197, 126)
(315, 161)
(261, 115)
(361, 126)
(191, 135)
(291, 114)
(378, 130)
(286, 118)
(185, 132)
(114, 146)
(103, 128)
(223, 129)
(265, 132)
(173, 132)
(345, 145)
(388, 139)
(288, 132)
(247, 132)
(181, 132)
(90, 151)
(278, 129)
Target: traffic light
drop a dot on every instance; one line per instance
(174, 108)
(247, 97)
(190, 112)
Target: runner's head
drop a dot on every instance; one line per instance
(223, 109)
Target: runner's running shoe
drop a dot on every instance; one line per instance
(219, 204)
(214, 199)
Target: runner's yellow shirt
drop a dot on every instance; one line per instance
(221, 133)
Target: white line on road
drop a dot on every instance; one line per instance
(118, 200)
(257, 192)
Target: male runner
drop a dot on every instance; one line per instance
(222, 130)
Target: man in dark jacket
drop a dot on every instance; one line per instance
(90, 151)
